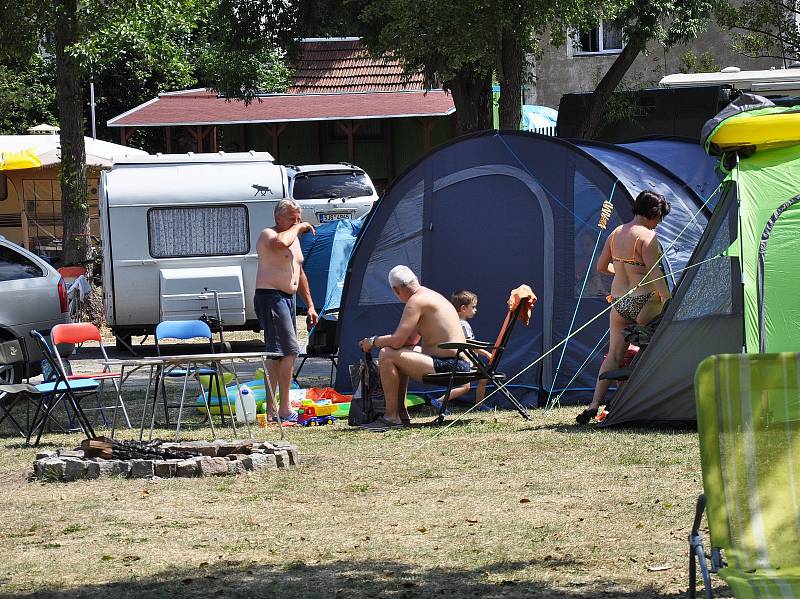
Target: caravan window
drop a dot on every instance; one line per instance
(198, 231)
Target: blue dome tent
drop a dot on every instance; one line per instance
(492, 210)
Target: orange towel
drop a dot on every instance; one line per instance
(317, 393)
(523, 293)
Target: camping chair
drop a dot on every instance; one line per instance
(57, 391)
(321, 344)
(748, 419)
(184, 330)
(76, 333)
(480, 370)
(12, 352)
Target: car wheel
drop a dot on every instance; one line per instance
(10, 374)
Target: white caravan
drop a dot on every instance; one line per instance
(771, 82)
(178, 228)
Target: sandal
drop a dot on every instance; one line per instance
(585, 416)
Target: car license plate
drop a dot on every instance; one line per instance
(326, 217)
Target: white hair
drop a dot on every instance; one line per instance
(402, 276)
(285, 205)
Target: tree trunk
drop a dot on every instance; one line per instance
(472, 96)
(69, 92)
(509, 75)
(605, 89)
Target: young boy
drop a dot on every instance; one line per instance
(466, 304)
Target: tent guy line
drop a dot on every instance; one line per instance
(601, 226)
(556, 402)
(527, 169)
(556, 346)
(600, 230)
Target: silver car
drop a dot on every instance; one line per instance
(32, 296)
(328, 192)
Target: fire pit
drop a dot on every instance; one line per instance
(136, 459)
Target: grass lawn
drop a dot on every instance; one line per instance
(491, 507)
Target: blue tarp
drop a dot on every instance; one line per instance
(326, 255)
(488, 212)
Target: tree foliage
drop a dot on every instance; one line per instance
(460, 45)
(250, 42)
(763, 28)
(666, 22)
(134, 49)
(27, 94)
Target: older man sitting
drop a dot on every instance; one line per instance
(427, 316)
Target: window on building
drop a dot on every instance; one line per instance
(198, 231)
(606, 38)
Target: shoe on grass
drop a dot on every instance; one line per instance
(438, 405)
(292, 417)
(585, 416)
(381, 425)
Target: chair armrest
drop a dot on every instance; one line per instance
(471, 344)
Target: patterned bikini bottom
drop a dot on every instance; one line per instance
(629, 306)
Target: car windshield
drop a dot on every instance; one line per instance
(331, 185)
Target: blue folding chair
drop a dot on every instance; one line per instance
(183, 330)
(60, 389)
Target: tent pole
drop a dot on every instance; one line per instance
(741, 253)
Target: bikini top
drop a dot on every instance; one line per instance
(633, 261)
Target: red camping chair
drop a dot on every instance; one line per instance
(520, 305)
(81, 332)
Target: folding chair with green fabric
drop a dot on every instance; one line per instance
(748, 418)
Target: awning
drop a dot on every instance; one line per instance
(18, 152)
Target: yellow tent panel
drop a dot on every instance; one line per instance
(11, 161)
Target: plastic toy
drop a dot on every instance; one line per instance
(312, 414)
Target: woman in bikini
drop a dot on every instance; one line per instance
(630, 255)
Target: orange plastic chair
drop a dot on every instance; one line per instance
(81, 332)
(70, 273)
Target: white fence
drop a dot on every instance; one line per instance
(551, 131)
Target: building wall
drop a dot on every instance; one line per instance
(556, 73)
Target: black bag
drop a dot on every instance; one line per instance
(368, 401)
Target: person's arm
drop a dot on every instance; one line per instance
(605, 263)
(304, 291)
(285, 239)
(651, 255)
(403, 334)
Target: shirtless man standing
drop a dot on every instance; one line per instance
(280, 275)
(427, 316)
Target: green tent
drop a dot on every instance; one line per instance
(739, 292)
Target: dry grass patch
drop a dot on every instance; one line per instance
(491, 507)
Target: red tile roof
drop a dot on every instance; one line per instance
(335, 80)
(344, 65)
(203, 107)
